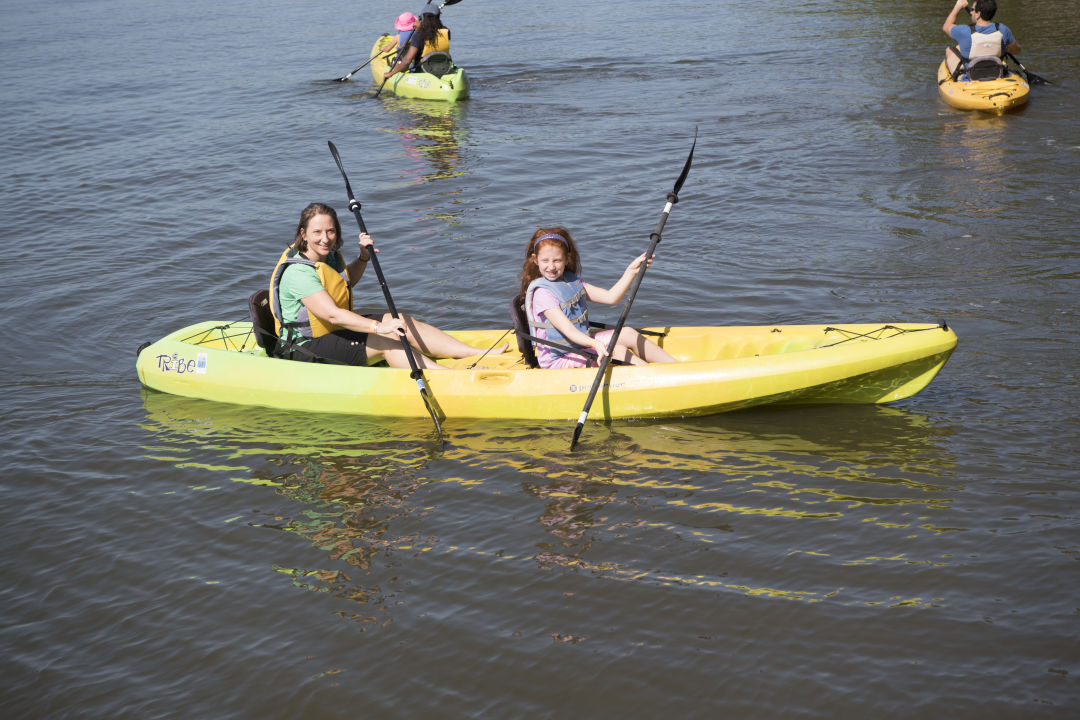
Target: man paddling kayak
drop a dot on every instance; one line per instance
(979, 39)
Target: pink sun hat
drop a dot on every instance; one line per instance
(404, 21)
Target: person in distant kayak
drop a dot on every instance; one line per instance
(431, 36)
(405, 24)
(311, 298)
(981, 38)
(556, 306)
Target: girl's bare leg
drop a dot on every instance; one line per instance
(643, 347)
(623, 354)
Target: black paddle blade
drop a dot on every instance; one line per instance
(354, 206)
(1031, 77)
(1034, 79)
(379, 91)
(686, 167)
(341, 168)
(577, 434)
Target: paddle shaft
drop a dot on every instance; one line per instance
(343, 79)
(654, 240)
(415, 373)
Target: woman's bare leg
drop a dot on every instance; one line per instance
(430, 340)
(389, 348)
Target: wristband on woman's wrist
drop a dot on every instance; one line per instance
(375, 327)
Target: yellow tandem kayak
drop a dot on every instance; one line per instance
(452, 86)
(996, 96)
(719, 369)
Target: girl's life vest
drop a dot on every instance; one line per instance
(570, 292)
(335, 282)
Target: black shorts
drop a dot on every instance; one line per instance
(341, 347)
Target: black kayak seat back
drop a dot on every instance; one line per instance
(985, 68)
(262, 321)
(437, 63)
(521, 331)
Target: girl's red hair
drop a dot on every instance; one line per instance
(530, 270)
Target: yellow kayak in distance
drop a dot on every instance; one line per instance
(720, 369)
(451, 86)
(994, 96)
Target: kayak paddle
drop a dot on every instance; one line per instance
(429, 401)
(343, 79)
(1032, 78)
(672, 198)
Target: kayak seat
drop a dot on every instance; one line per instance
(985, 68)
(525, 339)
(262, 321)
(521, 330)
(437, 63)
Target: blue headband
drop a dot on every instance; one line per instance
(551, 236)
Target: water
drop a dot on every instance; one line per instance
(173, 558)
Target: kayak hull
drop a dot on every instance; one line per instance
(720, 369)
(992, 96)
(451, 87)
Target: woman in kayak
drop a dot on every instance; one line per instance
(311, 298)
(432, 36)
(557, 308)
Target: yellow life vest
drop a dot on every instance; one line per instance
(334, 282)
(441, 43)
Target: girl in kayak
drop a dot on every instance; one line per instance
(556, 305)
(311, 298)
(405, 25)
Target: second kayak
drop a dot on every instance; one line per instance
(451, 86)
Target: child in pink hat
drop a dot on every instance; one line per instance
(404, 24)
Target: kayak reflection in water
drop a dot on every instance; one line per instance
(311, 298)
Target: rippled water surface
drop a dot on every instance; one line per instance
(166, 557)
